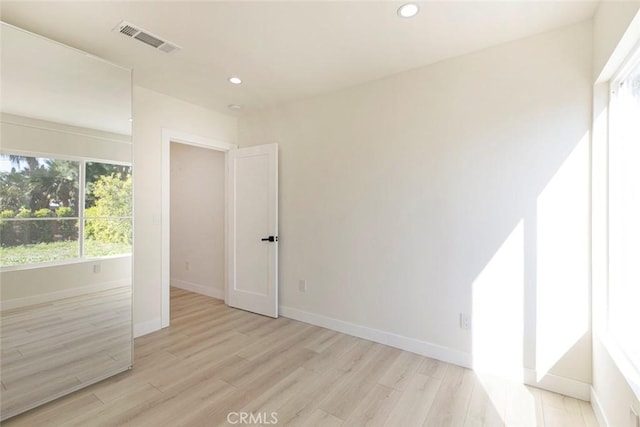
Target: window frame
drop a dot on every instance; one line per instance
(629, 368)
(80, 213)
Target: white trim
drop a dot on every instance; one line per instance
(198, 288)
(413, 345)
(64, 128)
(622, 362)
(169, 136)
(70, 261)
(597, 408)
(57, 295)
(66, 157)
(563, 385)
(144, 328)
(195, 140)
(82, 207)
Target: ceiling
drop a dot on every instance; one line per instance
(284, 50)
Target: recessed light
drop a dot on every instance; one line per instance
(235, 80)
(408, 10)
(234, 107)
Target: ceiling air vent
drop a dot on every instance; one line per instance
(145, 37)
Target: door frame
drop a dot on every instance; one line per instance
(169, 136)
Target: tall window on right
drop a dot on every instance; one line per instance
(624, 212)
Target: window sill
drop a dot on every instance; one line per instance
(60, 263)
(622, 362)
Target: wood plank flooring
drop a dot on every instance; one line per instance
(51, 348)
(215, 360)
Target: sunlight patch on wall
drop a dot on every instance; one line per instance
(496, 401)
(498, 310)
(563, 259)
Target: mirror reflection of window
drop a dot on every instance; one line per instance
(38, 210)
(108, 210)
(41, 215)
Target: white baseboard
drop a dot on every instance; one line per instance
(562, 385)
(597, 409)
(567, 386)
(413, 345)
(197, 288)
(144, 328)
(65, 293)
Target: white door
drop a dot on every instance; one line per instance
(253, 229)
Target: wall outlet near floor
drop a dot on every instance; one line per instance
(302, 285)
(96, 268)
(186, 265)
(465, 321)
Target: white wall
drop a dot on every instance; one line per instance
(610, 22)
(616, 32)
(458, 187)
(197, 219)
(152, 112)
(26, 135)
(26, 287)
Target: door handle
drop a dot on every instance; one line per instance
(270, 239)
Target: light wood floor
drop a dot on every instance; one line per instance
(214, 360)
(51, 348)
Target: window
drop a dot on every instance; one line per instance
(44, 217)
(107, 213)
(624, 212)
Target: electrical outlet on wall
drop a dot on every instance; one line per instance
(302, 285)
(465, 321)
(96, 268)
(186, 265)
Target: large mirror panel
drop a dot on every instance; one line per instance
(65, 220)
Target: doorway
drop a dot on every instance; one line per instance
(182, 140)
(197, 220)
